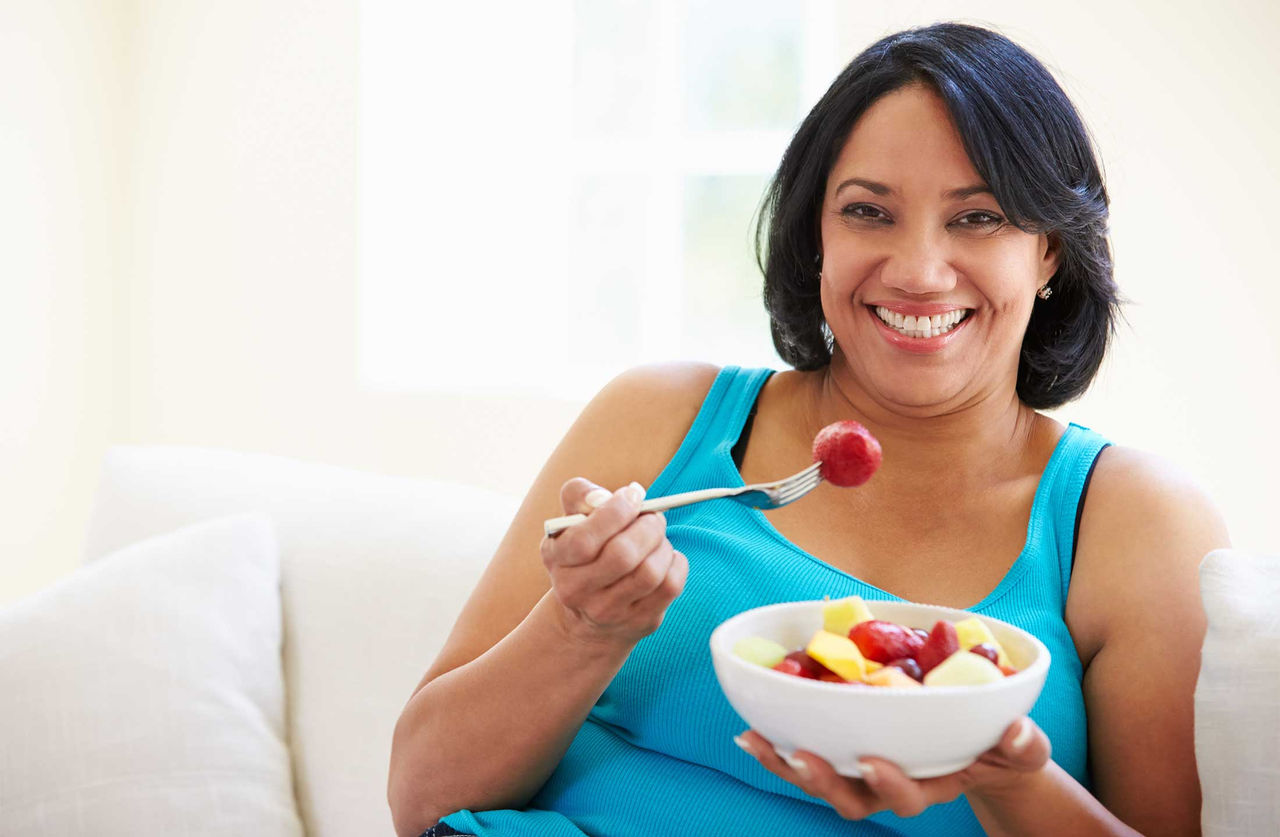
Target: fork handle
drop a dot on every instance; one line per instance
(556, 525)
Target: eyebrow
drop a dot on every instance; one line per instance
(882, 190)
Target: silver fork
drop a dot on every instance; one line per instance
(763, 495)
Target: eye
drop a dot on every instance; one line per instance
(865, 212)
(979, 219)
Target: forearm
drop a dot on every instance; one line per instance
(1047, 801)
(488, 734)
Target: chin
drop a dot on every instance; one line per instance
(919, 396)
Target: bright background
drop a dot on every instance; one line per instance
(413, 238)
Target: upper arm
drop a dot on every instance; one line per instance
(629, 431)
(1135, 610)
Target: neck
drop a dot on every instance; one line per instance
(976, 441)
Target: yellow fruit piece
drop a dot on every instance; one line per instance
(973, 631)
(872, 665)
(963, 669)
(839, 654)
(841, 615)
(891, 676)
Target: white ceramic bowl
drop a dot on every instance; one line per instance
(930, 731)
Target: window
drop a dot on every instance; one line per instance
(550, 193)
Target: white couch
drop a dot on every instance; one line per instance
(237, 664)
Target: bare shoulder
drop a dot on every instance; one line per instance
(627, 433)
(1145, 527)
(1138, 497)
(636, 423)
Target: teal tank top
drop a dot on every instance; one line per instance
(656, 754)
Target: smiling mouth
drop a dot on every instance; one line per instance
(921, 327)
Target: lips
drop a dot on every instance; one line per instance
(922, 337)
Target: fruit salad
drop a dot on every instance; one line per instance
(854, 647)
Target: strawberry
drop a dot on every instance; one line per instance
(884, 641)
(848, 452)
(942, 643)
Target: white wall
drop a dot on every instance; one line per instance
(62, 102)
(179, 248)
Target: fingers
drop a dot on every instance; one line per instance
(903, 795)
(607, 516)
(851, 798)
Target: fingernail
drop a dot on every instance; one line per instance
(742, 742)
(635, 493)
(597, 498)
(797, 765)
(1023, 738)
(867, 770)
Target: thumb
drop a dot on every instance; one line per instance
(581, 496)
(1024, 745)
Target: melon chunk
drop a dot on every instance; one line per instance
(761, 651)
(963, 669)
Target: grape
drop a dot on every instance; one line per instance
(909, 667)
(986, 649)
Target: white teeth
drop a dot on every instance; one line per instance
(920, 327)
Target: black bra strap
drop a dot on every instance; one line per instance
(740, 446)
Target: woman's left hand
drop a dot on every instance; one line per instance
(1022, 751)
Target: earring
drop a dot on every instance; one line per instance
(1045, 292)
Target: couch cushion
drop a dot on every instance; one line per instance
(144, 695)
(1238, 695)
(374, 571)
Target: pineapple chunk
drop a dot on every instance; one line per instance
(840, 616)
(963, 669)
(891, 676)
(973, 631)
(839, 654)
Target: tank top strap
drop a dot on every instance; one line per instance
(713, 433)
(1065, 480)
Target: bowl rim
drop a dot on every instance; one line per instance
(720, 652)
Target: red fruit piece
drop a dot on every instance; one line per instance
(802, 665)
(986, 649)
(884, 641)
(909, 667)
(848, 452)
(787, 666)
(942, 643)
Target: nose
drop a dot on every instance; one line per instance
(918, 263)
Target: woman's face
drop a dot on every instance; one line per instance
(909, 230)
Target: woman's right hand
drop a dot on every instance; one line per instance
(615, 573)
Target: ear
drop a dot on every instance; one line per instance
(1051, 257)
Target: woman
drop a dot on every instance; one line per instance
(936, 268)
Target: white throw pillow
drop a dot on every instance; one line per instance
(143, 695)
(1238, 695)
(374, 571)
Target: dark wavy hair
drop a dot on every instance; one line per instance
(1027, 142)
